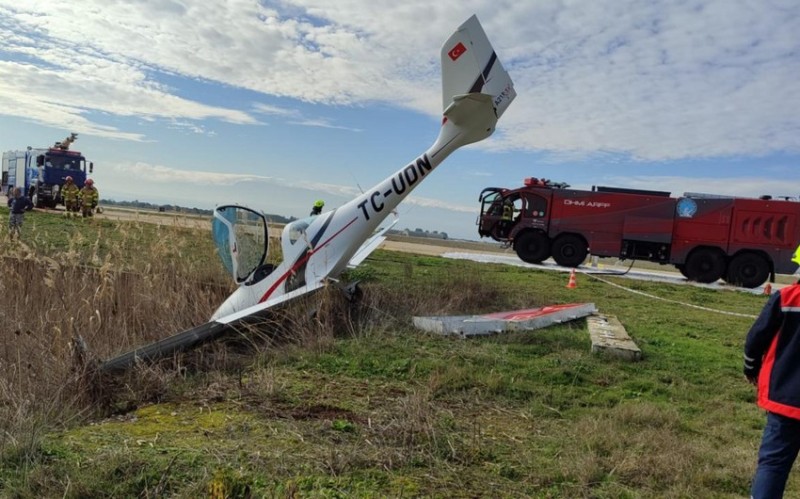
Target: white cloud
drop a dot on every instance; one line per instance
(166, 175)
(653, 80)
(140, 174)
(295, 117)
(322, 123)
(267, 109)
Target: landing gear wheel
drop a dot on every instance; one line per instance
(532, 247)
(749, 270)
(570, 250)
(705, 265)
(352, 292)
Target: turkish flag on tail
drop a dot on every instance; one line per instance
(456, 51)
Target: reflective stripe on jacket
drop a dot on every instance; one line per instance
(89, 195)
(773, 343)
(70, 192)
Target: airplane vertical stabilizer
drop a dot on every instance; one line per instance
(470, 65)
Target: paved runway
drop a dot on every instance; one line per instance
(603, 270)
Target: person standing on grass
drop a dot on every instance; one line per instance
(772, 364)
(89, 198)
(19, 204)
(70, 193)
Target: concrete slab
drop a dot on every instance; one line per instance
(515, 320)
(608, 335)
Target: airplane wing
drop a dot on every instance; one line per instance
(371, 244)
(196, 336)
(271, 303)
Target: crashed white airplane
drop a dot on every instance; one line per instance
(476, 91)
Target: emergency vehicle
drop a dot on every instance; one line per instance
(41, 173)
(743, 241)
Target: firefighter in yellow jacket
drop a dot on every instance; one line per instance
(89, 198)
(70, 193)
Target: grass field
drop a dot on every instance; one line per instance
(353, 401)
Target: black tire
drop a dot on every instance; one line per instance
(682, 270)
(532, 247)
(570, 250)
(748, 270)
(705, 265)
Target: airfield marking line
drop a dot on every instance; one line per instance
(737, 314)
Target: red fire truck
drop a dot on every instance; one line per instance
(707, 237)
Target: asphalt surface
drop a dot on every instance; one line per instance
(618, 270)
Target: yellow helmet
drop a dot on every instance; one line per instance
(796, 257)
(320, 203)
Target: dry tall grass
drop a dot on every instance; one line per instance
(60, 309)
(64, 308)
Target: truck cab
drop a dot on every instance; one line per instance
(48, 175)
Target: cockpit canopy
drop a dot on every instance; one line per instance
(242, 240)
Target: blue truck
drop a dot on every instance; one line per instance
(41, 172)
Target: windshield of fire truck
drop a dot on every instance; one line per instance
(63, 162)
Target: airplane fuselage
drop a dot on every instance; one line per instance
(325, 247)
(476, 90)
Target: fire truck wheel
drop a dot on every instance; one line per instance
(705, 265)
(532, 247)
(682, 270)
(570, 250)
(749, 270)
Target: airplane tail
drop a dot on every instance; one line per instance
(470, 66)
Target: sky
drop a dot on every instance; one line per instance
(277, 103)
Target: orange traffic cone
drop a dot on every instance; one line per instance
(572, 284)
(768, 289)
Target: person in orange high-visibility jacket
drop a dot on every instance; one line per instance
(772, 363)
(89, 198)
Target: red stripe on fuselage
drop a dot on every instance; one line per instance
(300, 262)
